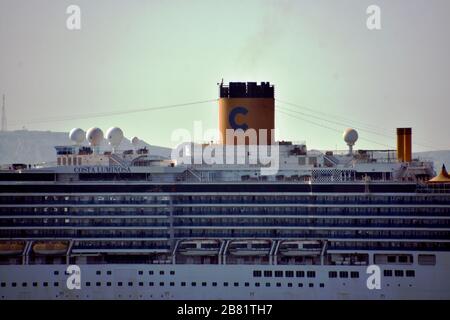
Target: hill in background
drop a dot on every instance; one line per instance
(23, 146)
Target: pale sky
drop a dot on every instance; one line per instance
(319, 54)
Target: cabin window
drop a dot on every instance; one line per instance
(161, 284)
(332, 274)
(387, 273)
(55, 273)
(24, 284)
(172, 272)
(150, 272)
(88, 284)
(311, 274)
(45, 284)
(257, 273)
(98, 272)
(214, 284)
(322, 285)
(354, 274)
(246, 284)
(193, 284)
(141, 272)
(267, 284)
(410, 273)
(267, 273)
(278, 274)
(130, 284)
(289, 284)
(427, 259)
(236, 284)
(183, 284)
(399, 273)
(55, 284)
(161, 272)
(141, 284)
(108, 272)
(311, 285)
(225, 284)
(257, 284)
(172, 284)
(108, 284)
(343, 274)
(120, 284)
(300, 274)
(289, 274)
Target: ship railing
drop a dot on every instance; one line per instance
(333, 201)
(300, 236)
(125, 226)
(114, 157)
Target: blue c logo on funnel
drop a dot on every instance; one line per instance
(232, 118)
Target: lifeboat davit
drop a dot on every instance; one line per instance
(250, 247)
(11, 248)
(300, 248)
(199, 247)
(50, 248)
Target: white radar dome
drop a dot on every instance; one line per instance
(350, 136)
(77, 135)
(135, 141)
(114, 136)
(94, 136)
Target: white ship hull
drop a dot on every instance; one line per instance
(428, 282)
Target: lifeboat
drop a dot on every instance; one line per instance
(300, 248)
(250, 247)
(11, 247)
(50, 248)
(199, 247)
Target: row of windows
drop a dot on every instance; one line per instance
(151, 272)
(109, 272)
(331, 274)
(373, 199)
(259, 211)
(25, 284)
(399, 273)
(288, 274)
(343, 274)
(162, 284)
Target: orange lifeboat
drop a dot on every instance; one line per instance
(11, 247)
(50, 248)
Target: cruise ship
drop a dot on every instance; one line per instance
(127, 224)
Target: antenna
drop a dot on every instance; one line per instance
(4, 115)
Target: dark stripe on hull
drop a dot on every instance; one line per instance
(263, 187)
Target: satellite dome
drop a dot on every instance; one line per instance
(77, 135)
(350, 136)
(114, 136)
(135, 141)
(94, 136)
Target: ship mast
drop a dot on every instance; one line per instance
(3, 129)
